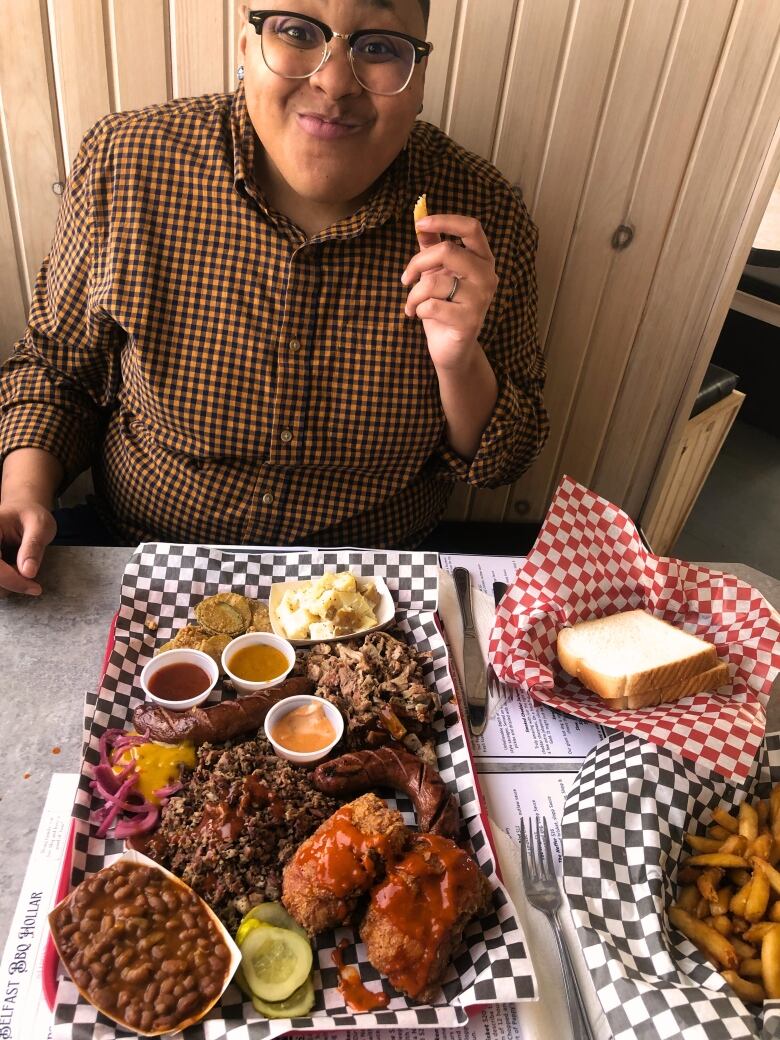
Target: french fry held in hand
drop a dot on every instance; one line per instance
(729, 896)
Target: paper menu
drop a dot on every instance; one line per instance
(525, 795)
(518, 728)
(23, 1011)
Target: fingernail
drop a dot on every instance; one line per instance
(404, 278)
(27, 569)
(423, 223)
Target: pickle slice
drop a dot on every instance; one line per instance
(276, 961)
(275, 914)
(246, 927)
(296, 1005)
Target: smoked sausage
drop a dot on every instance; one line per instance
(392, 766)
(220, 722)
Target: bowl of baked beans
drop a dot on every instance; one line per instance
(142, 947)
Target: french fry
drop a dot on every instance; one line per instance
(721, 923)
(770, 962)
(756, 933)
(726, 820)
(687, 875)
(421, 208)
(716, 831)
(735, 843)
(721, 903)
(744, 950)
(774, 912)
(740, 877)
(717, 859)
(758, 899)
(770, 873)
(707, 883)
(762, 808)
(706, 938)
(702, 908)
(739, 925)
(750, 992)
(688, 898)
(774, 812)
(748, 821)
(739, 900)
(760, 847)
(750, 968)
(703, 844)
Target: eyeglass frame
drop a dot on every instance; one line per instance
(421, 47)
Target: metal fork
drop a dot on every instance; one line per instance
(542, 892)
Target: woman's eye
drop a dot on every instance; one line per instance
(295, 32)
(378, 47)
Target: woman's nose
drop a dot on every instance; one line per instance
(335, 76)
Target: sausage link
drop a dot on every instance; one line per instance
(436, 809)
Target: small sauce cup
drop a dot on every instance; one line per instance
(282, 708)
(174, 659)
(244, 685)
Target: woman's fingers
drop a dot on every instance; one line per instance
(467, 229)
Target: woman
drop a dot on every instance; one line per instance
(236, 328)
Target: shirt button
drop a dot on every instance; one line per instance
(294, 346)
(286, 436)
(268, 499)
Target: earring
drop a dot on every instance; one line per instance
(240, 73)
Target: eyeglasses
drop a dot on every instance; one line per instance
(296, 47)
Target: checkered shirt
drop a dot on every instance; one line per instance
(230, 380)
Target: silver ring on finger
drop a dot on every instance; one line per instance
(454, 289)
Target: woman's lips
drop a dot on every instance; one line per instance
(326, 129)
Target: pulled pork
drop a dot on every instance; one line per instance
(378, 685)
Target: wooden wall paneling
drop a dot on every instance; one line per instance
(575, 354)
(442, 33)
(529, 92)
(477, 72)
(79, 45)
(33, 161)
(14, 304)
(140, 46)
(768, 175)
(659, 95)
(573, 129)
(583, 71)
(232, 29)
(198, 47)
(741, 118)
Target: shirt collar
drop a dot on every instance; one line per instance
(392, 196)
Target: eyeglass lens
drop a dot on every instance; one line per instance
(296, 48)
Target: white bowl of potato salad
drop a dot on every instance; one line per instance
(333, 606)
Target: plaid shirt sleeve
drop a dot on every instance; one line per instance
(63, 374)
(518, 427)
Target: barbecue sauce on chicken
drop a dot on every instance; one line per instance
(344, 859)
(356, 996)
(420, 898)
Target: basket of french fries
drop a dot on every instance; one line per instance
(673, 878)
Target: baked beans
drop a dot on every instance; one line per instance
(130, 938)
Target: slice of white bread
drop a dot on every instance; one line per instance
(709, 680)
(632, 653)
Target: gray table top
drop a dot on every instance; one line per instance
(51, 649)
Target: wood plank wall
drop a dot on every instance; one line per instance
(654, 114)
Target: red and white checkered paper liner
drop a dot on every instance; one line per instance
(589, 561)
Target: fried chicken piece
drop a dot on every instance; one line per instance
(416, 917)
(339, 863)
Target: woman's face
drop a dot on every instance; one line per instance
(325, 136)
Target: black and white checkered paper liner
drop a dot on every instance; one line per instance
(623, 830)
(162, 583)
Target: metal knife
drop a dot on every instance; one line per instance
(475, 674)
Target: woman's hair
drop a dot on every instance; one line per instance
(426, 9)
